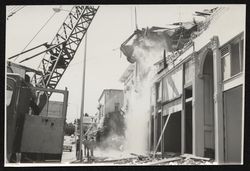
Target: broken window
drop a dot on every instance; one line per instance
(232, 58)
(172, 85)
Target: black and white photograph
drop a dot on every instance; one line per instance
(124, 85)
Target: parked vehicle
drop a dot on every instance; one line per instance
(67, 148)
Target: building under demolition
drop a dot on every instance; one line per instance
(110, 121)
(197, 88)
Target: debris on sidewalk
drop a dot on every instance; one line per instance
(139, 159)
(163, 161)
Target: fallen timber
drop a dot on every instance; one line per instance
(138, 159)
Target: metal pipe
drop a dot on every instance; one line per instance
(82, 101)
(42, 52)
(27, 50)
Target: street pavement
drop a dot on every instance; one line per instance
(70, 157)
(67, 156)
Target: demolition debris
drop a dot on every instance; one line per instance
(136, 159)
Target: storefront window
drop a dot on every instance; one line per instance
(226, 66)
(232, 58)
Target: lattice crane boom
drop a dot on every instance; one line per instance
(63, 47)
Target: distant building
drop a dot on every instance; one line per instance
(111, 100)
(110, 121)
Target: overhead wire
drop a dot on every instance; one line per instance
(14, 10)
(20, 9)
(37, 33)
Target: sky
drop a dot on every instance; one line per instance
(112, 25)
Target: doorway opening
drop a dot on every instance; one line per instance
(208, 89)
(233, 125)
(188, 120)
(152, 134)
(172, 134)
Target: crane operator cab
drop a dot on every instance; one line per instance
(34, 124)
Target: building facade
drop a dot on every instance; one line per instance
(197, 97)
(111, 100)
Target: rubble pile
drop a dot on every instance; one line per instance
(135, 159)
(149, 160)
(189, 161)
(179, 160)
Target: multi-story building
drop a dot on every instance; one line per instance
(111, 100)
(198, 92)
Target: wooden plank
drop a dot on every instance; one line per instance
(162, 132)
(163, 161)
(195, 157)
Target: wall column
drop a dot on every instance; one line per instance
(218, 110)
(155, 127)
(198, 106)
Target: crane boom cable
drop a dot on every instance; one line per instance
(37, 33)
(19, 9)
(66, 41)
(14, 10)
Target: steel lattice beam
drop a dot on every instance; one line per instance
(65, 45)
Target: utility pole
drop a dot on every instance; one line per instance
(136, 26)
(82, 101)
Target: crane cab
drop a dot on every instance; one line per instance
(37, 137)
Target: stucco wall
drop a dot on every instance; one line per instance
(112, 97)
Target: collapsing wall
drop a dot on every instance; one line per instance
(149, 47)
(146, 49)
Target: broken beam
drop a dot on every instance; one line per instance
(165, 125)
